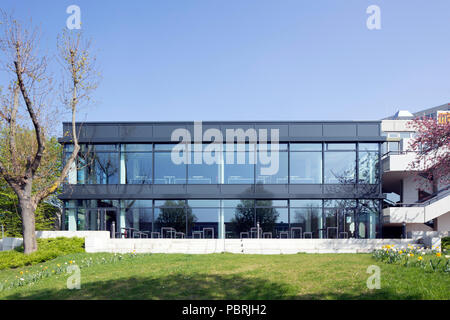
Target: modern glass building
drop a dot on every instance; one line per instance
(133, 179)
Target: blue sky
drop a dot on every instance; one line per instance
(258, 59)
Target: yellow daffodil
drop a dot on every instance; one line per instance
(438, 254)
(21, 272)
(420, 258)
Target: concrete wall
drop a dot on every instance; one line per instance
(412, 227)
(71, 234)
(246, 246)
(443, 222)
(395, 125)
(11, 243)
(429, 238)
(411, 185)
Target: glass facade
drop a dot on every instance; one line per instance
(296, 163)
(305, 166)
(340, 163)
(306, 163)
(235, 218)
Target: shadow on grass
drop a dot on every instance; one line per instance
(195, 287)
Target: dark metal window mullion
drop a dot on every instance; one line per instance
(289, 163)
(357, 165)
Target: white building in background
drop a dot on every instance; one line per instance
(411, 204)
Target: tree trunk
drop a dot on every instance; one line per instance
(28, 224)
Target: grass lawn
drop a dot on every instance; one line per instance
(231, 276)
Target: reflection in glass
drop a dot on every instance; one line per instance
(306, 167)
(139, 218)
(280, 177)
(168, 172)
(138, 167)
(306, 147)
(368, 218)
(103, 168)
(368, 167)
(273, 221)
(330, 230)
(240, 218)
(309, 219)
(206, 223)
(340, 167)
(203, 173)
(239, 173)
(173, 216)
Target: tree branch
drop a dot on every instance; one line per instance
(34, 164)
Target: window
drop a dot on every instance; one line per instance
(368, 163)
(171, 218)
(340, 219)
(239, 217)
(394, 146)
(269, 160)
(273, 218)
(168, 171)
(137, 214)
(368, 219)
(99, 164)
(137, 160)
(204, 166)
(340, 163)
(306, 218)
(207, 219)
(239, 164)
(305, 163)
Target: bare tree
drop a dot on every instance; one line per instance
(28, 163)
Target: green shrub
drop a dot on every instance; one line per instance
(48, 249)
(445, 243)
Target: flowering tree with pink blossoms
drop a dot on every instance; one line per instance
(432, 143)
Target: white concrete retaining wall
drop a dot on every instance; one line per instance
(429, 238)
(71, 234)
(248, 246)
(99, 241)
(11, 243)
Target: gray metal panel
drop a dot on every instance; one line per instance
(368, 130)
(271, 190)
(161, 131)
(211, 192)
(305, 130)
(169, 190)
(340, 190)
(203, 189)
(103, 131)
(164, 132)
(238, 190)
(339, 130)
(232, 127)
(137, 131)
(305, 190)
(283, 130)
